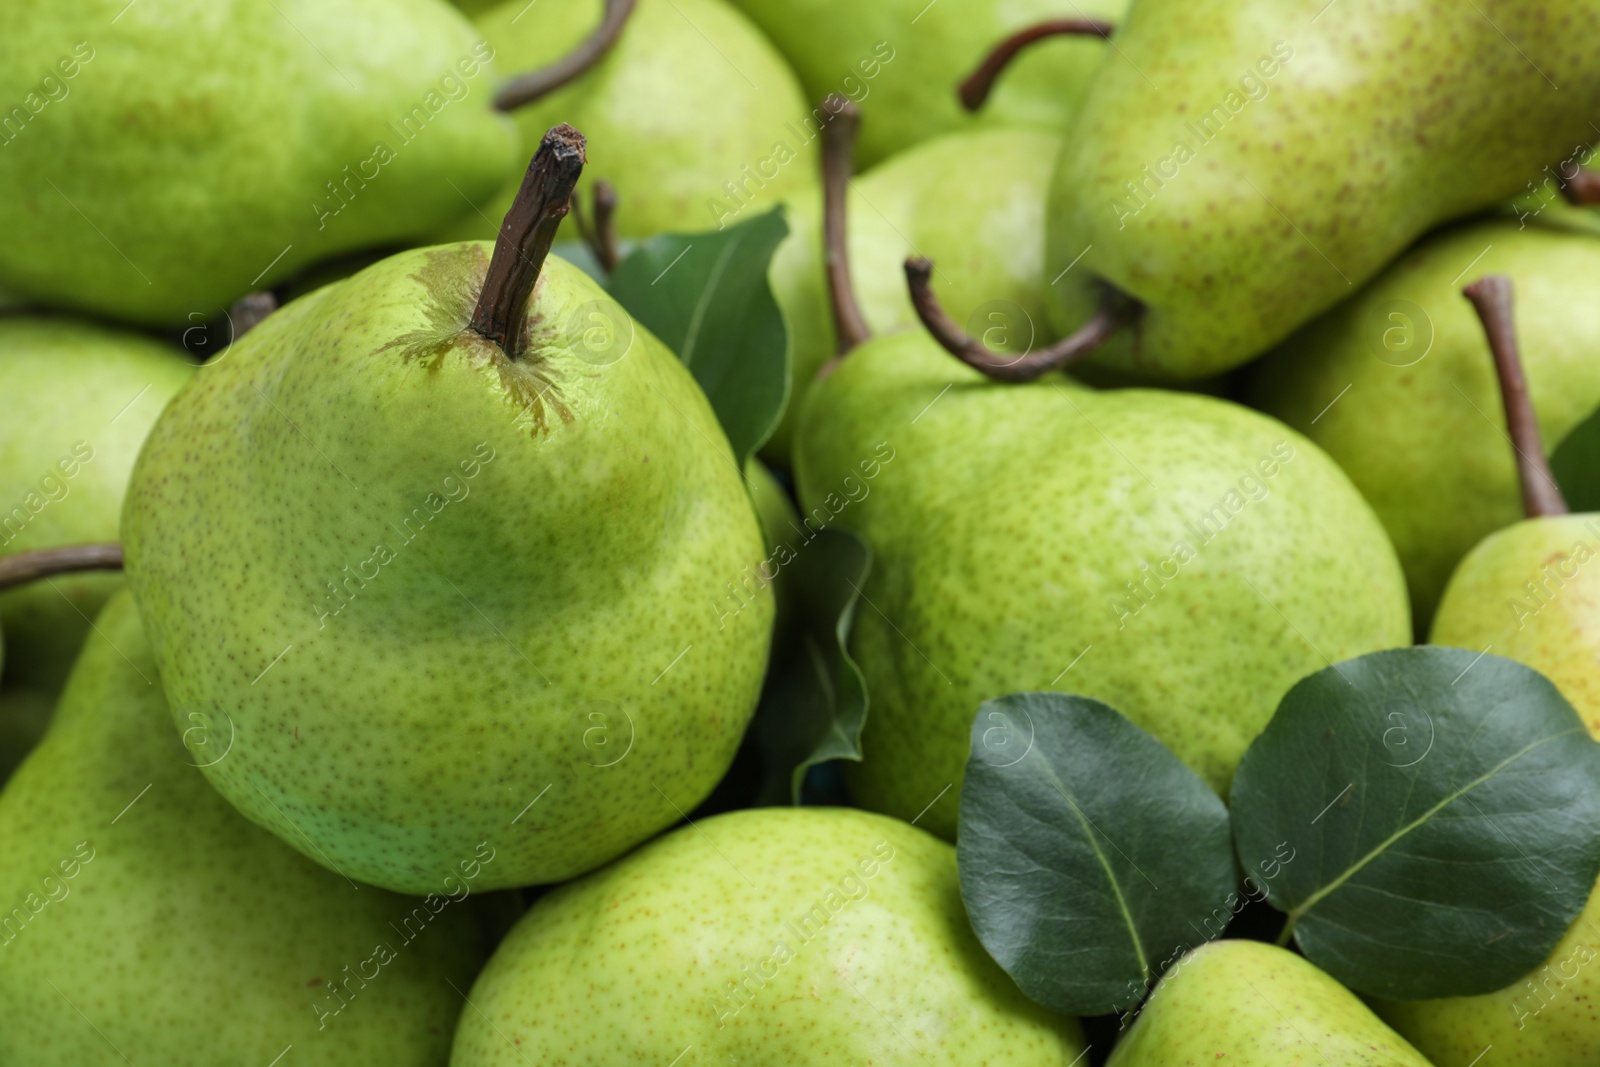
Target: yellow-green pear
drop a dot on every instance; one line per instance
(901, 60)
(1530, 592)
(766, 938)
(1249, 1004)
(452, 566)
(1239, 168)
(692, 115)
(973, 201)
(160, 159)
(144, 921)
(1181, 558)
(79, 400)
(1397, 385)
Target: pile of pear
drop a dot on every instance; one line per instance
(415, 618)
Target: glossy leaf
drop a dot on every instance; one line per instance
(1444, 810)
(707, 297)
(1091, 858)
(1576, 465)
(815, 702)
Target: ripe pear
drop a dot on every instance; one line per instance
(1240, 168)
(973, 201)
(1182, 558)
(79, 400)
(1250, 1004)
(1531, 592)
(693, 116)
(767, 936)
(450, 588)
(901, 60)
(163, 158)
(144, 921)
(1403, 370)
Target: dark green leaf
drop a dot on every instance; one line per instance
(815, 701)
(1576, 465)
(1090, 856)
(1444, 811)
(706, 296)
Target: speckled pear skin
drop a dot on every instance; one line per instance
(1552, 1017)
(765, 938)
(1249, 1004)
(973, 202)
(79, 399)
(1421, 430)
(1335, 144)
(184, 935)
(186, 160)
(901, 60)
(443, 597)
(1010, 524)
(692, 96)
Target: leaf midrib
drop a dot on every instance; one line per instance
(1383, 846)
(1105, 865)
(691, 337)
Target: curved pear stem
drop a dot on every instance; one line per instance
(1583, 188)
(600, 231)
(975, 90)
(525, 238)
(1116, 310)
(526, 88)
(23, 567)
(1491, 298)
(838, 163)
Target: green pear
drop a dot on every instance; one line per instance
(146, 922)
(1397, 385)
(1250, 1004)
(163, 158)
(972, 201)
(1182, 558)
(763, 937)
(900, 61)
(453, 579)
(449, 588)
(1530, 592)
(80, 400)
(693, 116)
(1240, 168)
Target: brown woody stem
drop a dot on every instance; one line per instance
(600, 231)
(974, 92)
(526, 88)
(247, 312)
(838, 163)
(23, 567)
(1583, 188)
(1115, 311)
(1491, 298)
(525, 238)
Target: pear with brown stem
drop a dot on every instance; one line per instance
(453, 571)
(1181, 558)
(1530, 592)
